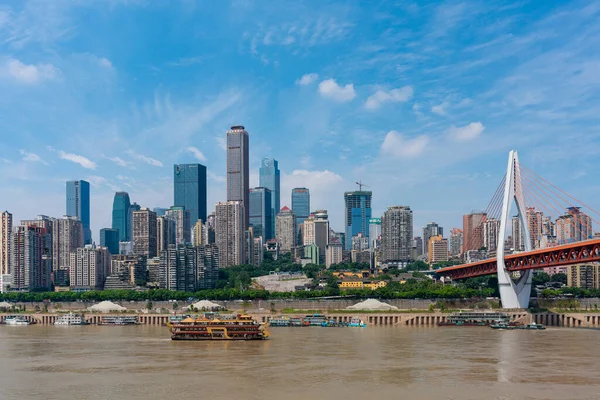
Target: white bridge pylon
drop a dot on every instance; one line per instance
(514, 294)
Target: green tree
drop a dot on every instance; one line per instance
(560, 277)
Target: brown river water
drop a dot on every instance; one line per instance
(141, 362)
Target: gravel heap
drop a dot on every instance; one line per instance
(371, 304)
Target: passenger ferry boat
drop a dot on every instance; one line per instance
(356, 323)
(280, 321)
(475, 318)
(119, 320)
(70, 319)
(212, 326)
(16, 320)
(529, 327)
(298, 321)
(315, 320)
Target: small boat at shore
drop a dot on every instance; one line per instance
(356, 323)
(528, 327)
(119, 320)
(16, 320)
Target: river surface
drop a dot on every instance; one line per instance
(141, 362)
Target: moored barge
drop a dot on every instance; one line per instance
(475, 318)
(212, 326)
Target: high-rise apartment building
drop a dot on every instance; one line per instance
(188, 268)
(437, 249)
(230, 233)
(120, 215)
(132, 208)
(160, 211)
(166, 232)
(78, 205)
(47, 225)
(285, 230)
(396, 235)
(518, 239)
(431, 229)
(300, 204)
(261, 212)
(374, 232)
(6, 225)
(491, 234)
(269, 177)
(573, 226)
(357, 215)
(456, 242)
(109, 238)
(321, 233)
(67, 237)
(183, 227)
(473, 230)
(198, 233)
(535, 220)
(238, 170)
(88, 268)
(418, 246)
(144, 233)
(189, 189)
(28, 269)
(334, 254)
(584, 276)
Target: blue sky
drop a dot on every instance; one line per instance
(421, 101)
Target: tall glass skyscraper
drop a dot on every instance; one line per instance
(120, 216)
(238, 171)
(78, 205)
(261, 212)
(189, 190)
(269, 178)
(358, 214)
(301, 204)
(110, 238)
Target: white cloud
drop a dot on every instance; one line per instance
(214, 177)
(146, 159)
(31, 157)
(440, 109)
(221, 142)
(105, 62)
(197, 153)
(330, 88)
(118, 161)
(307, 79)
(77, 159)
(29, 73)
(395, 95)
(397, 145)
(467, 132)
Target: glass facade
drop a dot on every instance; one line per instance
(78, 205)
(110, 238)
(269, 177)
(358, 214)
(261, 212)
(238, 171)
(189, 187)
(120, 216)
(301, 204)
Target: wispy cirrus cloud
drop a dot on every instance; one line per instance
(148, 160)
(467, 132)
(329, 88)
(197, 153)
(392, 96)
(31, 157)
(118, 161)
(77, 159)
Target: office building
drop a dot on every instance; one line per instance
(120, 215)
(160, 211)
(437, 249)
(316, 231)
(584, 276)
(491, 232)
(285, 230)
(374, 232)
(126, 248)
(78, 205)
(573, 226)
(300, 204)
(189, 190)
(183, 227)
(456, 242)
(144, 233)
(89, 267)
(67, 237)
(261, 212)
(230, 233)
(431, 229)
(358, 214)
(6, 225)
(109, 238)
(238, 170)
(166, 233)
(473, 230)
(334, 254)
(396, 235)
(269, 177)
(28, 269)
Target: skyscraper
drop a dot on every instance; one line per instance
(47, 225)
(28, 269)
(261, 212)
(109, 238)
(6, 223)
(316, 231)
(456, 242)
(374, 232)
(431, 229)
(491, 232)
(358, 214)
(144, 233)
(285, 230)
(473, 231)
(67, 236)
(238, 171)
(120, 215)
(517, 234)
(300, 204)
(165, 233)
(189, 189)
(230, 233)
(89, 267)
(78, 205)
(573, 226)
(397, 235)
(183, 227)
(269, 177)
(134, 207)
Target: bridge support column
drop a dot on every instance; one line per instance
(513, 294)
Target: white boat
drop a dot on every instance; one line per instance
(16, 320)
(124, 320)
(70, 319)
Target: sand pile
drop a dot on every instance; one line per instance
(206, 305)
(106, 306)
(371, 304)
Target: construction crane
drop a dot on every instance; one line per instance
(360, 185)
